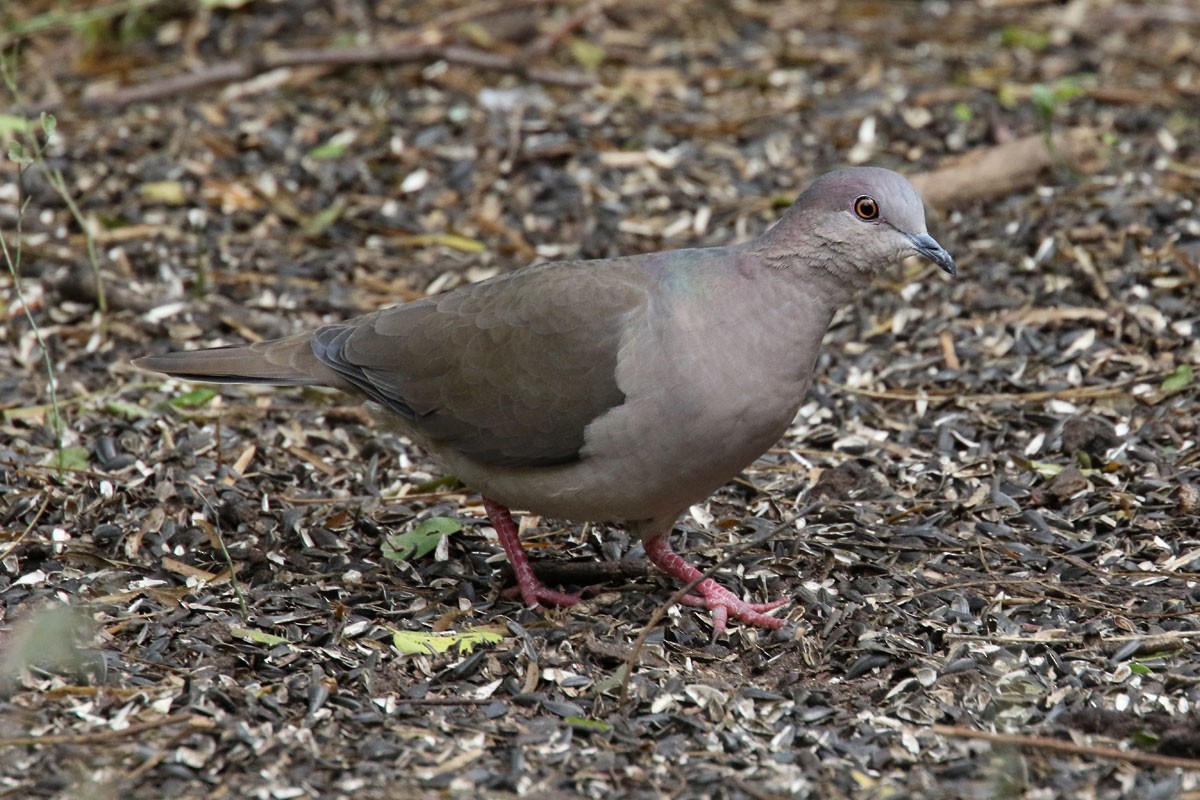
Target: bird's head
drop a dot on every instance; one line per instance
(859, 219)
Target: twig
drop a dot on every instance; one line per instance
(215, 531)
(99, 737)
(59, 183)
(294, 500)
(546, 42)
(1115, 389)
(1049, 592)
(674, 600)
(444, 701)
(37, 470)
(998, 582)
(488, 9)
(160, 754)
(41, 510)
(756, 792)
(1070, 748)
(655, 618)
(583, 573)
(12, 257)
(1109, 645)
(335, 57)
(1007, 168)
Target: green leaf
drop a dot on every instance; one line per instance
(17, 154)
(1043, 100)
(421, 540)
(580, 723)
(1138, 668)
(1178, 380)
(196, 397)
(1145, 739)
(1068, 88)
(121, 408)
(586, 54)
(611, 683)
(257, 636)
(168, 193)
(334, 147)
(49, 124)
(1008, 95)
(11, 123)
(453, 241)
(72, 458)
(318, 223)
(434, 484)
(963, 112)
(1013, 36)
(424, 643)
(328, 151)
(1043, 468)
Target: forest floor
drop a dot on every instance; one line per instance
(986, 515)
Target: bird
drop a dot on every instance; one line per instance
(623, 389)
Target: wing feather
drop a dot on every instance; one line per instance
(509, 372)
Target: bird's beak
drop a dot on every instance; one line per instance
(927, 246)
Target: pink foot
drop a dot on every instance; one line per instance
(708, 593)
(532, 590)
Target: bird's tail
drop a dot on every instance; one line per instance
(279, 362)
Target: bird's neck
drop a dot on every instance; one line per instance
(816, 264)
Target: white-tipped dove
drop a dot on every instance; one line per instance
(621, 389)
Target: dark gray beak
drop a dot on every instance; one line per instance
(927, 246)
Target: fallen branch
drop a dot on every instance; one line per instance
(99, 737)
(474, 13)
(1014, 166)
(1069, 748)
(1150, 643)
(543, 44)
(585, 573)
(1113, 389)
(444, 701)
(333, 57)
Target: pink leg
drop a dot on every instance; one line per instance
(708, 593)
(533, 591)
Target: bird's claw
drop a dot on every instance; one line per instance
(708, 593)
(724, 604)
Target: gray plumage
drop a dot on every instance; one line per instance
(623, 389)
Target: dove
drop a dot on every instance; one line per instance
(623, 389)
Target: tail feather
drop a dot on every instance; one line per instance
(281, 362)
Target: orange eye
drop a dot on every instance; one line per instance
(866, 208)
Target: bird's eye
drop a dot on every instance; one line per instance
(866, 208)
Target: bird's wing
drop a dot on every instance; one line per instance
(508, 372)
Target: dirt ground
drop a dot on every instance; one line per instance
(986, 515)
